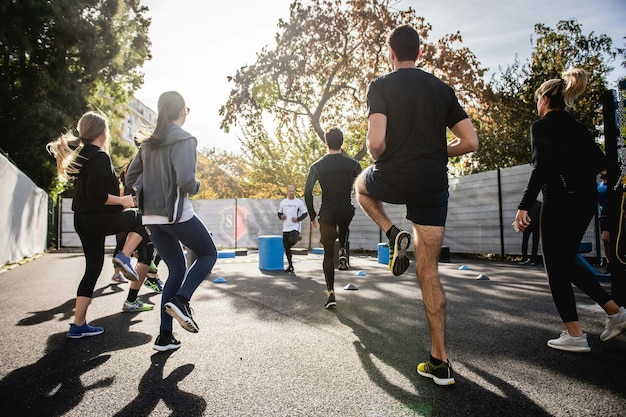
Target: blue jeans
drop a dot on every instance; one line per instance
(167, 239)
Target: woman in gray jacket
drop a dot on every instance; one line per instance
(163, 174)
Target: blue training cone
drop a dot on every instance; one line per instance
(360, 274)
(219, 280)
(464, 267)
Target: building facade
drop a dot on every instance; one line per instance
(139, 115)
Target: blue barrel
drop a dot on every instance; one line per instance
(271, 253)
(383, 253)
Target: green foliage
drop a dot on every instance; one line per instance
(509, 105)
(59, 59)
(220, 174)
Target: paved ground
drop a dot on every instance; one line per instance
(267, 347)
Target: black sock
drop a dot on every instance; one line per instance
(132, 295)
(166, 333)
(435, 361)
(388, 232)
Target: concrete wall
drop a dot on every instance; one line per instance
(23, 215)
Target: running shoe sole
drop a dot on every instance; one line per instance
(128, 272)
(615, 331)
(165, 348)
(343, 263)
(399, 262)
(81, 335)
(577, 349)
(144, 307)
(186, 323)
(331, 304)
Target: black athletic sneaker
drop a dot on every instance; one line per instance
(165, 343)
(330, 303)
(398, 244)
(178, 308)
(289, 270)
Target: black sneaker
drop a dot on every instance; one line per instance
(330, 303)
(165, 343)
(343, 260)
(178, 308)
(289, 270)
(398, 244)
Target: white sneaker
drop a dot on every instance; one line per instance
(570, 343)
(615, 325)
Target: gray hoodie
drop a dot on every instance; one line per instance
(163, 176)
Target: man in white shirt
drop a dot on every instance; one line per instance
(291, 211)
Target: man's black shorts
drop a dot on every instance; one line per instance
(427, 209)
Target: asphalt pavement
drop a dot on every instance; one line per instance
(267, 347)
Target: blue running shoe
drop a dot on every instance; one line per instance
(77, 332)
(126, 267)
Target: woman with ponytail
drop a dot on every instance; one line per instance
(566, 161)
(163, 174)
(98, 208)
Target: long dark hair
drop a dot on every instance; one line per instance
(170, 104)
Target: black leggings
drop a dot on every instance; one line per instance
(564, 220)
(289, 241)
(334, 223)
(145, 252)
(534, 231)
(93, 228)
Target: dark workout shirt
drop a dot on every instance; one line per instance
(419, 107)
(95, 182)
(336, 174)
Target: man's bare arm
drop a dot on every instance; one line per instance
(376, 130)
(466, 140)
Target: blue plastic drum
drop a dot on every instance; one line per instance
(271, 253)
(383, 253)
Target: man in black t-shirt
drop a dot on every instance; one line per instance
(409, 114)
(335, 172)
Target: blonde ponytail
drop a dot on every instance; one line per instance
(66, 148)
(575, 84)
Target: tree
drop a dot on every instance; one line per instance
(220, 174)
(316, 77)
(509, 105)
(58, 59)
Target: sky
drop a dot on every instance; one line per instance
(197, 44)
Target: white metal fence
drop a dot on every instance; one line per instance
(481, 209)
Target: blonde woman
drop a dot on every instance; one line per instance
(566, 161)
(98, 208)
